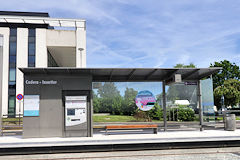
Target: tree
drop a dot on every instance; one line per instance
(156, 112)
(96, 103)
(229, 71)
(181, 65)
(110, 100)
(129, 106)
(108, 90)
(231, 92)
(117, 104)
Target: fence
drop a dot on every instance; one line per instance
(12, 125)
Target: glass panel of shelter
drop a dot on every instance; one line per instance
(181, 100)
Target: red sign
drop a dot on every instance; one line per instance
(19, 97)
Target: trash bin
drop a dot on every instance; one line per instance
(230, 122)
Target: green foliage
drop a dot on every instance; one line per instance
(185, 114)
(96, 103)
(180, 65)
(117, 105)
(129, 107)
(231, 92)
(109, 100)
(156, 113)
(229, 71)
(182, 113)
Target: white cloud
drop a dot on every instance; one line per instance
(153, 33)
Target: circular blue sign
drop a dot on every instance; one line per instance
(19, 96)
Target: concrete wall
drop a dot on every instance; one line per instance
(5, 32)
(61, 38)
(50, 123)
(21, 62)
(41, 48)
(1, 66)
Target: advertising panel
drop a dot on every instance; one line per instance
(145, 100)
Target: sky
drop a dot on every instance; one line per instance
(149, 33)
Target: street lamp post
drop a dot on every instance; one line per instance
(81, 49)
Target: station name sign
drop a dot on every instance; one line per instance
(40, 82)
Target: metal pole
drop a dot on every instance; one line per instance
(173, 115)
(164, 106)
(223, 111)
(19, 110)
(200, 106)
(1, 75)
(91, 114)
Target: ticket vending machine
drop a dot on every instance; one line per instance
(76, 116)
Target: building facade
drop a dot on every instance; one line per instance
(33, 39)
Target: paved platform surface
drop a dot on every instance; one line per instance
(16, 145)
(175, 154)
(100, 139)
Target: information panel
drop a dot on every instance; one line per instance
(75, 110)
(31, 105)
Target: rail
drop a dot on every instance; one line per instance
(11, 124)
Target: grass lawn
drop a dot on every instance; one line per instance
(113, 118)
(123, 118)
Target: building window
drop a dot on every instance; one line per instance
(11, 105)
(12, 72)
(12, 75)
(51, 61)
(31, 47)
(12, 48)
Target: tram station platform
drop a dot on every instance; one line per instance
(100, 142)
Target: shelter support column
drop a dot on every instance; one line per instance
(200, 106)
(164, 105)
(1, 75)
(91, 115)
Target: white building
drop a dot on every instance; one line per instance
(32, 39)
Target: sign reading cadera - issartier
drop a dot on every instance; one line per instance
(40, 82)
(145, 100)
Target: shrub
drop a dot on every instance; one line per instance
(156, 112)
(185, 114)
(142, 116)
